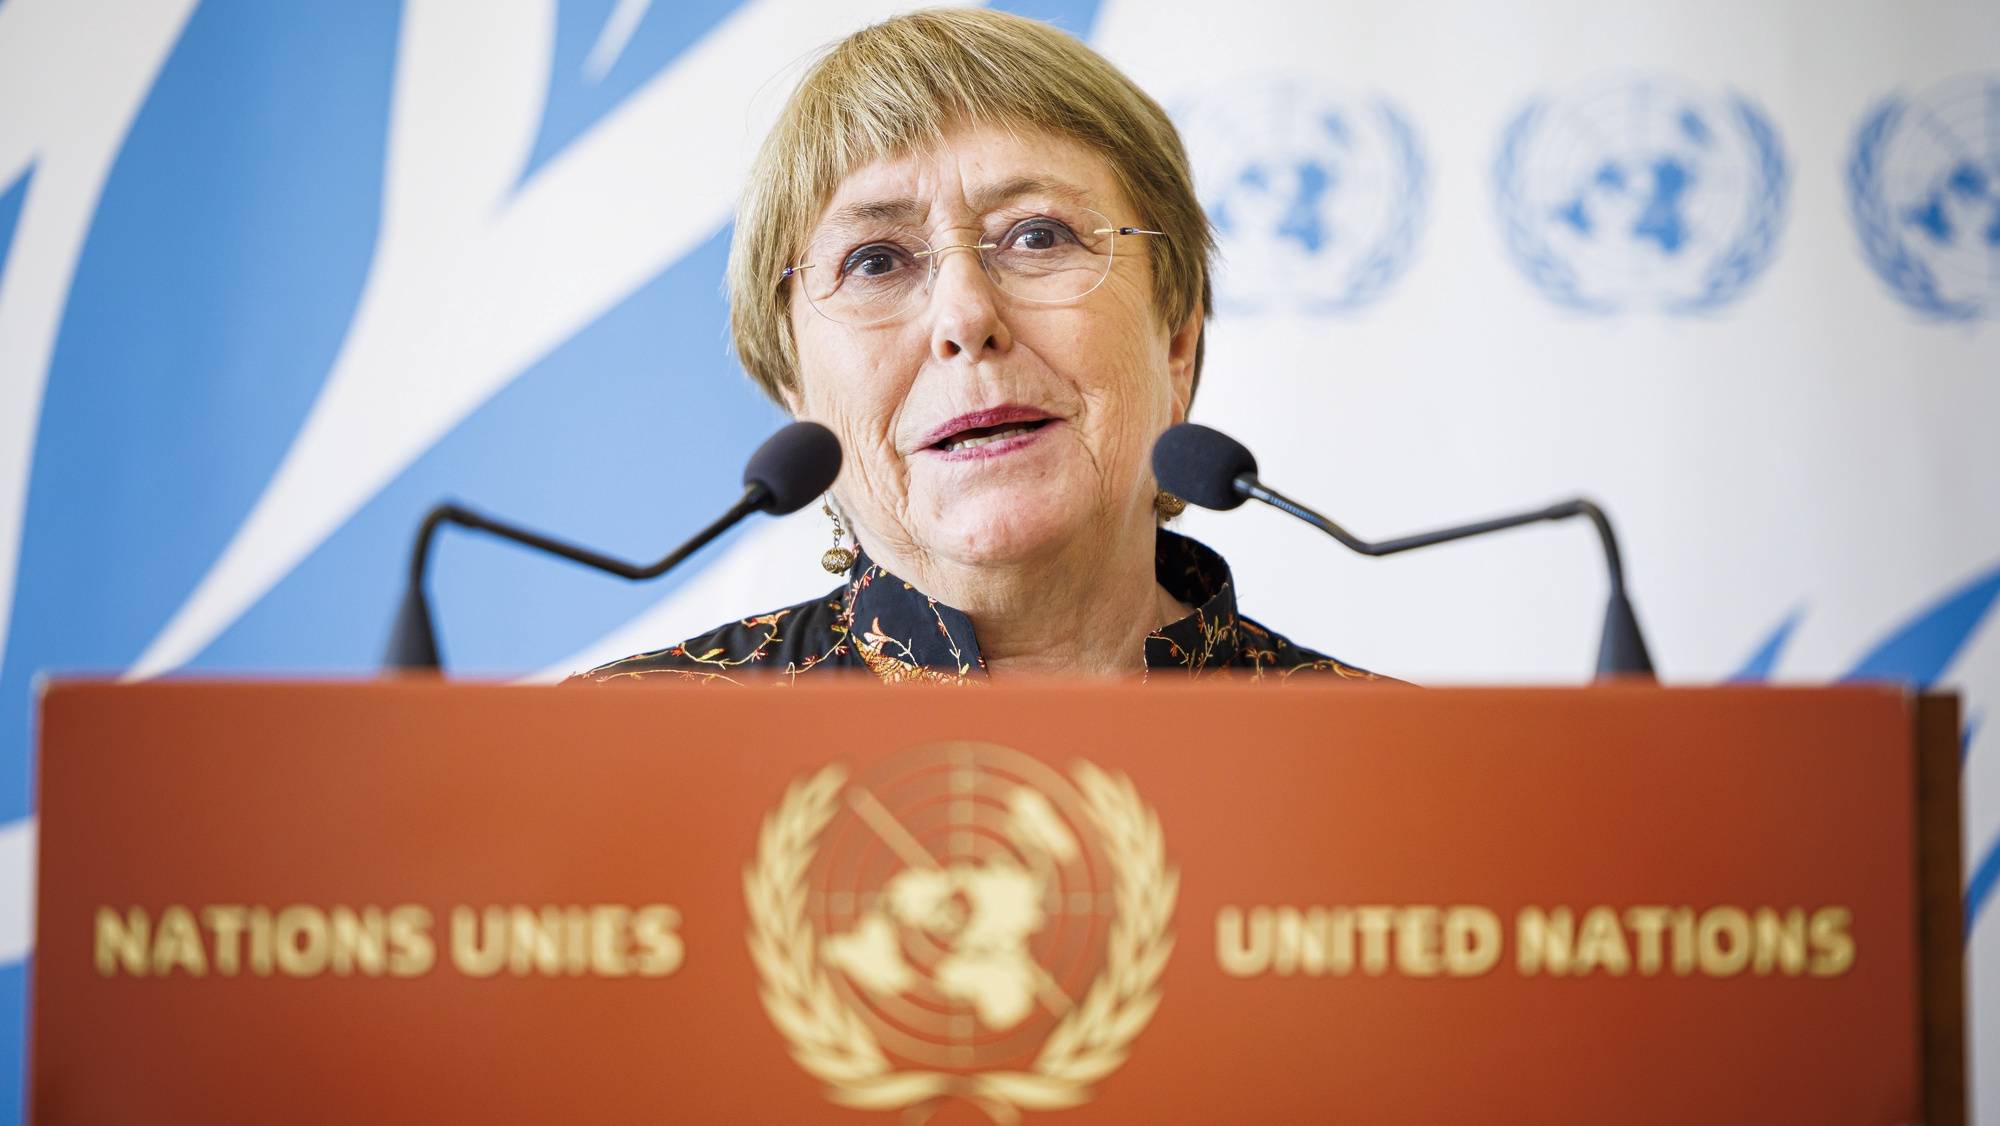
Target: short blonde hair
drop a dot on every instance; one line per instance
(899, 86)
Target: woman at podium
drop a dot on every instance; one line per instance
(972, 248)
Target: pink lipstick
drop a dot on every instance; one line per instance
(987, 433)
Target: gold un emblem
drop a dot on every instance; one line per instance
(961, 921)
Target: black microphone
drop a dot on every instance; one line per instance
(1211, 469)
(792, 467)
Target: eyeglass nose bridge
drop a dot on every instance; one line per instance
(934, 255)
(979, 248)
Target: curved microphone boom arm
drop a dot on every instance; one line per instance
(753, 499)
(1207, 467)
(1257, 490)
(413, 641)
(792, 467)
(1622, 650)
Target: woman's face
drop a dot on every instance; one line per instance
(1079, 389)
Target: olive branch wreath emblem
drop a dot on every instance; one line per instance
(1905, 272)
(833, 1044)
(1735, 266)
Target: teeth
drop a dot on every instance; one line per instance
(985, 439)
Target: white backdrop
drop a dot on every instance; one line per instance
(273, 280)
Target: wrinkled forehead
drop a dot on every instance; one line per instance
(968, 175)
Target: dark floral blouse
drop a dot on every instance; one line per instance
(883, 624)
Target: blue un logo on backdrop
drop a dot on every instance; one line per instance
(1318, 197)
(1641, 195)
(1924, 187)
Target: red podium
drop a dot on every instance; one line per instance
(412, 902)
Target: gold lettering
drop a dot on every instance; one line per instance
(1649, 924)
(1600, 943)
(1302, 942)
(1373, 923)
(1781, 942)
(1471, 941)
(1543, 939)
(1243, 944)
(607, 939)
(473, 956)
(577, 941)
(1719, 958)
(360, 941)
(260, 941)
(177, 943)
(226, 921)
(300, 940)
(1419, 945)
(122, 941)
(1340, 959)
(661, 950)
(411, 951)
(1682, 925)
(534, 941)
(1833, 947)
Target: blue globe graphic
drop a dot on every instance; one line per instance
(1926, 178)
(1316, 196)
(1641, 194)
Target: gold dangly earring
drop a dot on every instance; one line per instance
(837, 558)
(1167, 505)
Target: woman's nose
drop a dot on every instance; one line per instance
(965, 307)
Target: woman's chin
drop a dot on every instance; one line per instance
(995, 531)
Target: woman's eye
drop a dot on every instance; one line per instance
(871, 262)
(1040, 234)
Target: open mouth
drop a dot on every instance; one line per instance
(977, 436)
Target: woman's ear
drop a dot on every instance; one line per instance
(1183, 354)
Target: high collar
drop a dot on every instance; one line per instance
(904, 634)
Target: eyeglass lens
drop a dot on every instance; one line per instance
(1044, 252)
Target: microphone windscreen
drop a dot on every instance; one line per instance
(794, 465)
(1200, 465)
